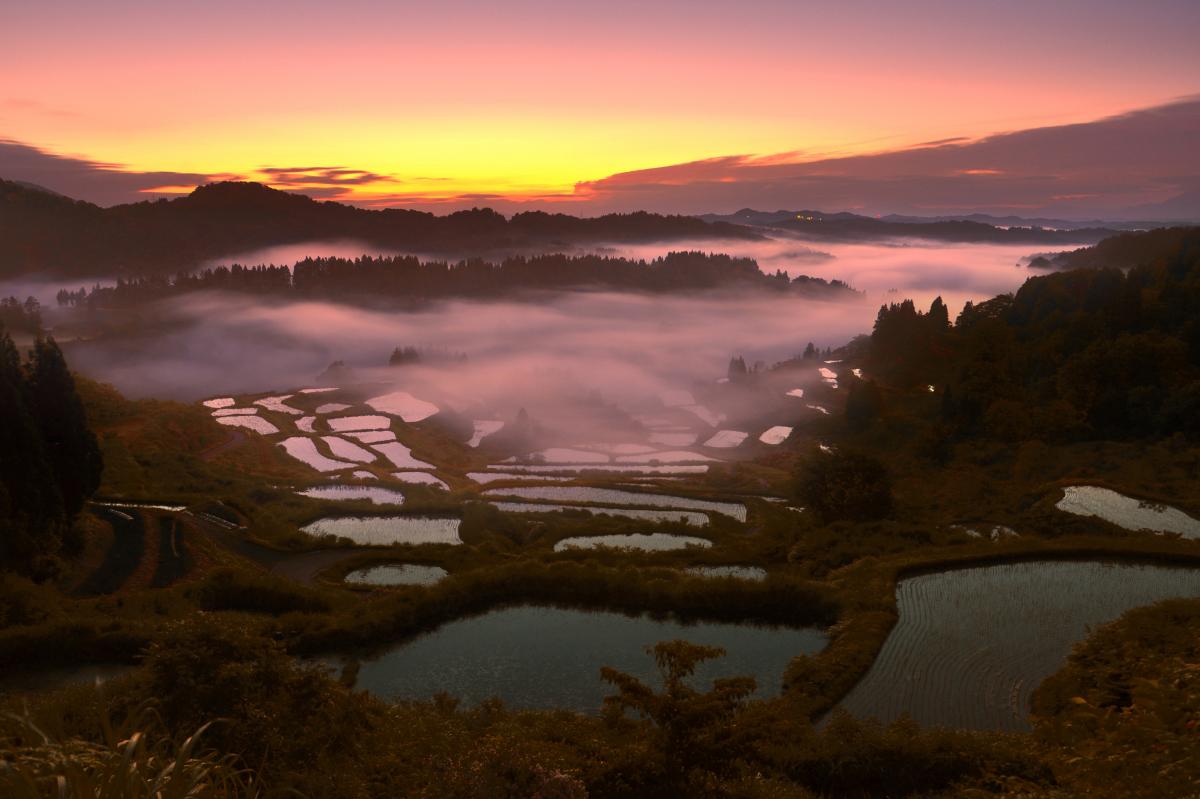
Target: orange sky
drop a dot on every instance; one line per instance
(430, 101)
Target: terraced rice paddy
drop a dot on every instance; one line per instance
(1127, 512)
(331, 407)
(255, 423)
(483, 478)
(385, 530)
(483, 429)
(305, 425)
(279, 405)
(341, 448)
(505, 654)
(610, 496)
(404, 405)
(752, 573)
(775, 435)
(726, 439)
(376, 494)
(234, 412)
(643, 542)
(420, 478)
(673, 439)
(704, 414)
(798, 393)
(369, 422)
(397, 574)
(568, 455)
(372, 436)
(219, 402)
(400, 455)
(971, 645)
(304, 450)
(672, 456)
(578, 468)
(697, 519)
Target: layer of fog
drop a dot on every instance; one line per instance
(565, 359)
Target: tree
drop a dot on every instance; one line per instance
(737, 369)
(864, 403)
(31, 505)
(693, 731)
(71, 446)
(844, 486)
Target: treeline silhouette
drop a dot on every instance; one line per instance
(409, 278)
(50, 462)
(21, 317)
(1089, 353)
(42, 231)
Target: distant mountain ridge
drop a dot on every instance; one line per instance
(846, 226)
(42, 231)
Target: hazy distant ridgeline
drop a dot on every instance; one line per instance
(408, 278)
(45, 232)
(844, 226)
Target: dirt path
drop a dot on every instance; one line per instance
(302, 567)
(305, 566)
(124, 554)
(236, 439)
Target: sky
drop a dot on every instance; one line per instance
(538, 103)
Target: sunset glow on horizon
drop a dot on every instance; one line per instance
(392, 104)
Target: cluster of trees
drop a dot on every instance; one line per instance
(843, 486)
(50, 461)
(1080, 354)
(407, 277)
(402, 356)
(43, 231)
(21, 317)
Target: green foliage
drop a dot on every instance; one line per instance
(1091, 353)
(49, 460)
(1126, 708)
(843, 485)
(693, 731)
(210, 668)
(233, 589)
(864, 402)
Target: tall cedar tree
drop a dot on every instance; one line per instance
(31, 507)
(71, 446)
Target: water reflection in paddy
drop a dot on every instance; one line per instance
(537, 657)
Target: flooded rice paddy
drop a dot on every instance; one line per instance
(385, 530)
(971, 645)
(396, 574)
(376, 494)
(643, 542)
(1127, 512)
(753, 573)
(687, 517)
(609, 496)
(538, 657)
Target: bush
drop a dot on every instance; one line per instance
(839, 486)
(228, 589)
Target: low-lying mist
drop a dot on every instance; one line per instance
(620, 348)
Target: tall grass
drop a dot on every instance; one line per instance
(131, 763)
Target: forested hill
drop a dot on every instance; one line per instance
(44, 232)
(400, 279)
(1121, 251)
(1088, 353)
